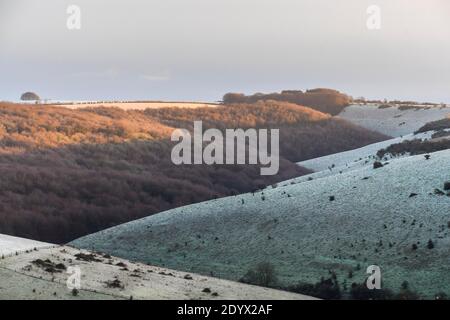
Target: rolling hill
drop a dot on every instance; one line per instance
(67, 173)
(396, 216)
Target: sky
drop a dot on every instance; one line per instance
(197, 50)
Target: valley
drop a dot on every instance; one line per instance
(320, 222)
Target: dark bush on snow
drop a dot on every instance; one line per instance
(262, 274)
(377, 164)
(359, 291)
(447, 185)
(324, 289)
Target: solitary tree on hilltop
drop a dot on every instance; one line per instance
(29, 96)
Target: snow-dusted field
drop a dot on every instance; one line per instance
(375, 218)
(10, 245)
(140, 105)
(106, 277)
(393, 121)
(339, 163)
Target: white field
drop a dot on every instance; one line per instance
(392, 121)
(10, 245)
(373, 220)
(21, 279)
(139, 105)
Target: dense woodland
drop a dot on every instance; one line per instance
(66, 173)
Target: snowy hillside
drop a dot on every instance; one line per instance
(341, 162)
(393, 121)
(42, 273)
(341, 223)
(11, 245)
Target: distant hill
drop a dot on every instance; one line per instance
(305, 133)
(67, 173)
(394, 120)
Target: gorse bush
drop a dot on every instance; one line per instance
(324, 289)
(262, 274)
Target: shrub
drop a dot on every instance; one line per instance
(447, 185)
(324, 289)
(67, 173)
(377, 164)
(322, 99)
(361, 292)
(262, 274)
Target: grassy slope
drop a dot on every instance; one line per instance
(304, 234)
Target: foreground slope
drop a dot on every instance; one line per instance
(43, 272)
(340, 223)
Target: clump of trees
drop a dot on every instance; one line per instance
(447, 185)
(414, 147)
(359, 291)
(29, 96)
(322, 99)
(377, 165)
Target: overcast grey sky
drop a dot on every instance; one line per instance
(200, 49)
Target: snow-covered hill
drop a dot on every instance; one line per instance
(341, 162)
(393, 121)
(341, 223)
(11, 245)
(42, 271)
